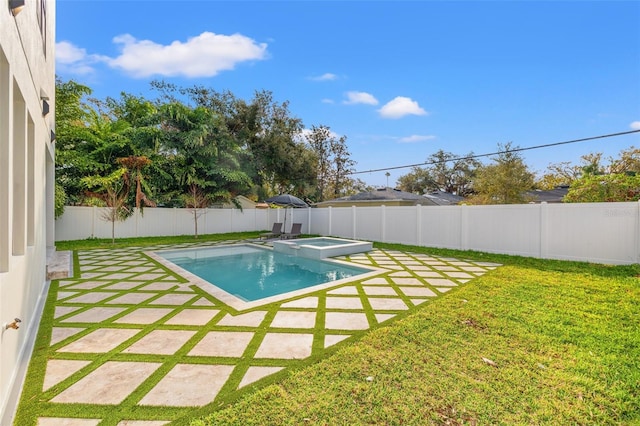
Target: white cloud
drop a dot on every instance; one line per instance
(205, 55)
(67, 53)
(401, 106)
(635, 125)
(328, 101)
(416, 138)
(325, 77)
(360, 98)
(75, 60)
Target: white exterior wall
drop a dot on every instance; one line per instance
(27, 75)
(594, 232)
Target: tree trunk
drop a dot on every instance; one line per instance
(195, 221)
(113, 230)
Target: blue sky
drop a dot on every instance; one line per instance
(400, 80)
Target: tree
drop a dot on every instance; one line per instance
(134, 166)
(113, 192)
(604, 188)
(60, 200)
(195, 200)
(505, 181)
(89, 140)
(265, 132)
(417, 181)
(342, 165)
(594, 181)
(202, 153)
(446, 172)
(319, 140)
(628, 162)
(332, 162)
(452, 173)
(558, 174)
(71, 119)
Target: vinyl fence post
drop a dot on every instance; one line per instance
(544, 223)
(383, 222)
(93, 221)
(175, 221)
(418, 224)
(353, 222)
(464, 223)
(637, 233)
(135, 223)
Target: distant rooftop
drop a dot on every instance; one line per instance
(555, 195)
(392, 196)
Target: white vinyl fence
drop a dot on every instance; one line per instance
(595, 232)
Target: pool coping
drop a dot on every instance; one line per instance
(242, 305)
(345, 248)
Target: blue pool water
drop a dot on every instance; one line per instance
(253, 273)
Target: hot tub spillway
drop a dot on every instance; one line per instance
(322, 247)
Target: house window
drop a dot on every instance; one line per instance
(42, 23)
(31, 181)
(5, 104)
(19, 162)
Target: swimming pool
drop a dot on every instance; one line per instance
(321, 247)
(245, 275)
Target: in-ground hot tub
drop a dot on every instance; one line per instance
(321, 247)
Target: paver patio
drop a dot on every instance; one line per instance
(127, 338)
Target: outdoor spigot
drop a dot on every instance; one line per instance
(15, 324)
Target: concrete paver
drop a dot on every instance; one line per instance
(251, 319)
(256, 373)
(170, 314)
(144, 316)
(176, 389)
(346, 321)
(60, 369)
(57, 421)
(162, 342)
(223, 343)
(100, 340)
(387, 304)
(377, 290)
(285, 319)
(193, 317)
(58, 334)
(111, 383)
(131, 298)
(418, 291)
(95, 315)
(285, 346)
(307, 302)
(352, 303)
(332, 339)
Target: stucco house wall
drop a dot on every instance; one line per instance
(27, 89)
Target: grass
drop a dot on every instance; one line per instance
(534, 342)
(97, 243)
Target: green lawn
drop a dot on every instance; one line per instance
(534, 342)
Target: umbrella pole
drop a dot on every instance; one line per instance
(284, 223)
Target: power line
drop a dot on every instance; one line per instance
(470, 157)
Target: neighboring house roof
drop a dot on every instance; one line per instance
(391, 197)
(554, 195)
(244, 202)
(442, 198)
